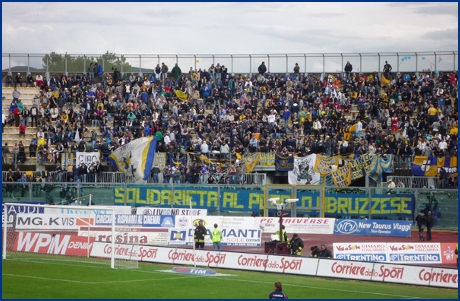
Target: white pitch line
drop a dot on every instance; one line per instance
(86, 282)
(227, 278)
(329, 289)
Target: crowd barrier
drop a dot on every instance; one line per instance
(251, 200)
(317, 63)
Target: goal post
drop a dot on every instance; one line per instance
(55, 232)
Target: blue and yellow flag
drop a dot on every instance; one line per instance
(135, 158)
(450, 165)
(425, 166)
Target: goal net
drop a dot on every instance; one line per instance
(56, 233)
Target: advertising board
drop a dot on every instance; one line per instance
(373, 227)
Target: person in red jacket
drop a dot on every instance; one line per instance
(22, 129)
(17, 116)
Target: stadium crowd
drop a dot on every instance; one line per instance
(223, 115)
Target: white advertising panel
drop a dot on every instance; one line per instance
(52, 221)
(375, 251)
(171, 211)
(230, 237)
(292, 265)
(345, 269)
(297, 225)
(133, 252)
(414, 252)
(389, 252)
(385, 272)
(186, 221)
(439, 277)
(243, 261)
(381, 272)
(142, 236)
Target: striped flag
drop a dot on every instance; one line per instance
(135, 158)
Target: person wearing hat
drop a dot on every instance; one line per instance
(391, 184)
(199, 235)
(296, 245)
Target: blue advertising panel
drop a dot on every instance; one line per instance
(373, 227)
(337, 205)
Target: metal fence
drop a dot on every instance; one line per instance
(118, 177)
(416, 182)
(317, 63)
(247, 200)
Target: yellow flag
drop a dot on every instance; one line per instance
(385, 81)
(181, 94)
(250, 162)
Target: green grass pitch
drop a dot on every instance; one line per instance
(39, 278)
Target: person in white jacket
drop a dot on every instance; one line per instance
(317, 128)
(359, 129)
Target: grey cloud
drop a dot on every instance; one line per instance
(451, 33)
(438, 9)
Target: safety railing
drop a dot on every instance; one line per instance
(416, 182)
(317, 63)
(118, 177)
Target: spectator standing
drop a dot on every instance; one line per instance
(386, 70)
(348, 68)
(15, 154)
(420, 219)
(99, 72)
(36, 186)
(262, 69)
(16, 94)
(296, 71)
(176, 71)
(216, 237)
(5, 151)
(429, 220)
(164, 72)
(91, 71)
(278, 292)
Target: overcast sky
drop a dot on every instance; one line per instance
(228, 28)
